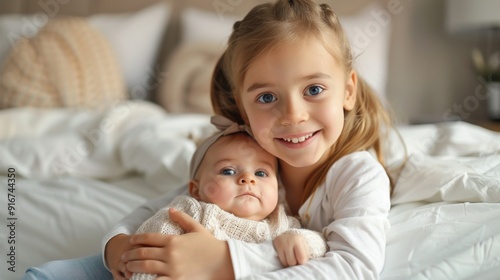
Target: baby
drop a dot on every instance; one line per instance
(234, 194)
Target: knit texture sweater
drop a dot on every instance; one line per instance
(224, 226)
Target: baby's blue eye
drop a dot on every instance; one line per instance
(227, 172)
(314, 90)
(266, 98)
(260, 174)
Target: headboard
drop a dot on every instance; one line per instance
(171, 39)
(54, 8)
(88, 7)
(415, 80)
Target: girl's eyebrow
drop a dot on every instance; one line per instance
(256, 86)
(318, 75)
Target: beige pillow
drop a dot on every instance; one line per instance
(67, 64)
(186, 89)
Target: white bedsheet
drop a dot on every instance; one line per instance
(77, 173)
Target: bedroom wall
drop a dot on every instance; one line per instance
(430, 75)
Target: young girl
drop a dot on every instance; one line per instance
(288, 74)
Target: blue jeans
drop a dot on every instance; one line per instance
(86, 268)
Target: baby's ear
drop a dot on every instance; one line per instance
(194, 189)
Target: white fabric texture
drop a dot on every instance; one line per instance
(136, 38)
(199, 26)
(224, 226)
(369, 34)
(79, 172)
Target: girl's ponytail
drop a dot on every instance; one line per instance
(221, 95)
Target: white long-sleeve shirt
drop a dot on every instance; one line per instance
(351, 209)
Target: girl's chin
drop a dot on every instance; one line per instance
(301, 162)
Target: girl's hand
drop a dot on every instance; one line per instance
(292, 249)
(193, 255)
(115, 247)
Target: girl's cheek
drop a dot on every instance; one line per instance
(264, 136)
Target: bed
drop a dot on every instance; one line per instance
(67, 175)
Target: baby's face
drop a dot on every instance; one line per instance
(239, 176)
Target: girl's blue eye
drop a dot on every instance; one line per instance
(227, 172)
(266, 98)
(314, 90)
(260, 174)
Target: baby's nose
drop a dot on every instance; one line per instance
(246, 179)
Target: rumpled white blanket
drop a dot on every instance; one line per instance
(133, 136)
(453, 162)
(445, 219)
(79, 172)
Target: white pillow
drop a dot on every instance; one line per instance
(370, 24)
(136, 38)
(369, 34)
(203, 26)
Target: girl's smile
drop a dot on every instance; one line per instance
(294, 96)
(298, 141)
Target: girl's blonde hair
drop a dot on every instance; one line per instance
(287, 21)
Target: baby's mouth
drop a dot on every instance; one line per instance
(247, 193)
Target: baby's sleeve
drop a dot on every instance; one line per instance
(316, 240)
(161, 222)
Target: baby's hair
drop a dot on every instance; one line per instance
(286, 21)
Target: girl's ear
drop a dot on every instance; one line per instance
(194, 189)
(351, 89)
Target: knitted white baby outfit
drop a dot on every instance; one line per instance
(224, 225)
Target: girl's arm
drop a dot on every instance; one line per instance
(197, 254)
(161, 223)
(351, 209)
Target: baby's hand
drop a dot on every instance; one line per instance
(292, 249)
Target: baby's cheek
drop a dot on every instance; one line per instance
(212, 191)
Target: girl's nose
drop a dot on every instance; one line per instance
(246, 179)
(294, 110)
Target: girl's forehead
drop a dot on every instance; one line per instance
(303, 41)
(304, 59)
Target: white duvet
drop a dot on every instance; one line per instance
(78, 173)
